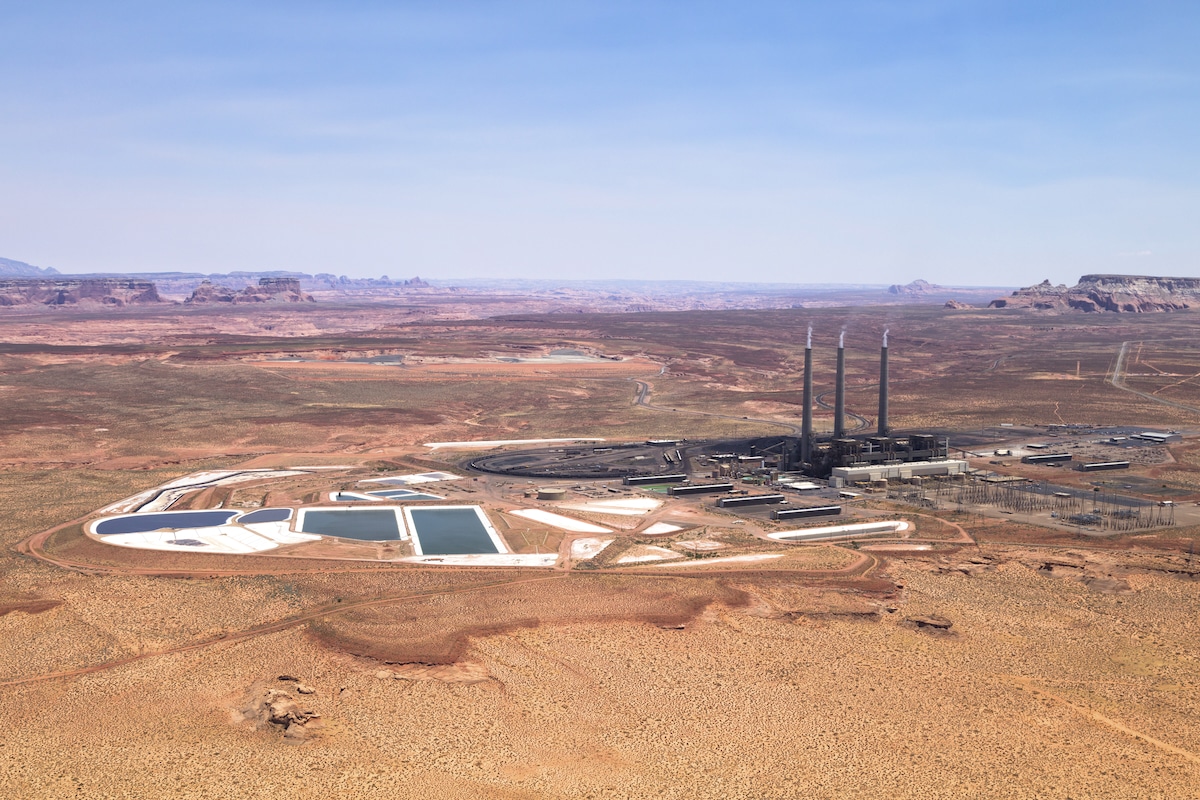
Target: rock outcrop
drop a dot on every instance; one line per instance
(930, 623)
(113, 292)
(268, 290)
(209, 292)
(1117, 293)
(275, 708)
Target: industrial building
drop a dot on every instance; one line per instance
(868, 473)
(811, 511)
(647, 480)
(703, 488)
(752, 500)
(1046, 458)
(1157, 437)
(1098, 466)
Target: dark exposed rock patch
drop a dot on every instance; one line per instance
(269, 708)
(932, 624)
(28, 604)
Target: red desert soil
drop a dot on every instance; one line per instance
(27, 605)
(1070, 671)
(439, 630)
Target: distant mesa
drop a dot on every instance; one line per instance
(268, 290)
(19, 269)
(915, 289)
(382, 282)
(81, 292)
(957, 305)
(1125, 294)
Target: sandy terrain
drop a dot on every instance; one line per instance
(1035, 663)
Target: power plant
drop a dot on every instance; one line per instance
(842, 456)
(841, 451)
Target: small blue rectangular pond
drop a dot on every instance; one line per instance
(365, 524)
(451, 530)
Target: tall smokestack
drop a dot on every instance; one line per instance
(806, 424)
(839, 393)
(883, 387)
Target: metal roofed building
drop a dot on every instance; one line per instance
(880, 472)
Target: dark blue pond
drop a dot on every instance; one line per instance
(267, 515)
(450, 531)
(141, 523)
(367, 524)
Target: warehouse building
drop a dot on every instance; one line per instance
(888, 472)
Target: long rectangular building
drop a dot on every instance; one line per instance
(703, 488)
(1103, 465)
(652, 480)
(812, 511)
(887, 472)
(752, 500)
(1046, 458)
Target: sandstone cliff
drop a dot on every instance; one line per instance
(1117, 293)
(268, 290)
(77, 292)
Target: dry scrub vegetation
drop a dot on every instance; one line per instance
(727, 683)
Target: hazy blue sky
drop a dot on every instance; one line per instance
(964, 142)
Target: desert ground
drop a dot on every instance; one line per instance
(1006, 659)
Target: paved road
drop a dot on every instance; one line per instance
(1118, 380)
(862, 421)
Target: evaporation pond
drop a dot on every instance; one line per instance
(368, 524)
(266, 515)
(406, 494)
(143, 523)
(451, 531)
